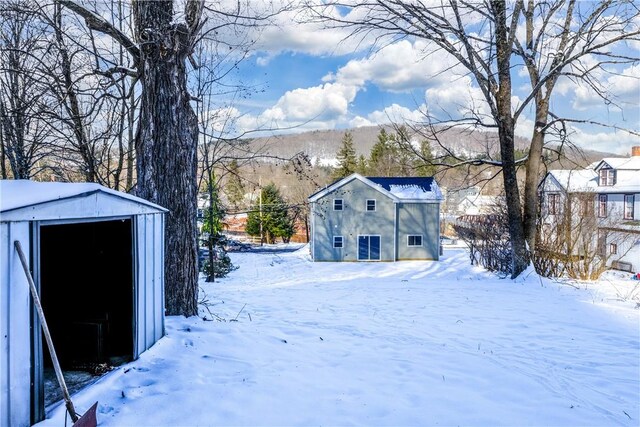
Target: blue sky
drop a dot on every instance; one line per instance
(320, 79)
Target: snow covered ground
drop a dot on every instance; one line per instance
(407, 343)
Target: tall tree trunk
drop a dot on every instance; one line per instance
(166, 143)
(506, 126)
(3, 157)
(532, 178)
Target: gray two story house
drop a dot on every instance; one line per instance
(376, 219)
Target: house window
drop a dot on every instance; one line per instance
(602, 205)
(602, 243)
(554, 203)
(613, 248)
(414, 240)
(586, 206)
(629, 200)
(338, 204)
(607, 177)
(337, 241)
(371, 205)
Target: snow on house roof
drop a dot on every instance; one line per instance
(410, 188)
(415, 189)
(16, 194)
(623, 163)
(586, 180)
(576, 180)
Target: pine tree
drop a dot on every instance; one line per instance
(272, 212)
(218, 263)
(347, 162)
(383, 156)
(362, 165)
(234, 190)
(424, 165)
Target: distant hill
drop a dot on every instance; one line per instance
(322, 145)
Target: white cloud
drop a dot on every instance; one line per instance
(617, 142)
(327, 101)
(624, 89)
(296, 29)
(401, 66)
(397, 114)
(457, 98)
(359, 121)
(524, 127)
(324, 106)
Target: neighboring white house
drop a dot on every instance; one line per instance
(607, 191)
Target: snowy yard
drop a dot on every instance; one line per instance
(407, 343)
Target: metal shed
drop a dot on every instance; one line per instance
(96, 255)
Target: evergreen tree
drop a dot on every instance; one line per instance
(385, 159)
(234, 189)
(424, 165)
(347, 163)
(272, 212)
(218, 263)
(362, 165)
(404, 154)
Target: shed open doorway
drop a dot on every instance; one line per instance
(86, 278)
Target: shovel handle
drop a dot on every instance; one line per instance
(47, 334)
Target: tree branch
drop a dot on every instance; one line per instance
(97, 23)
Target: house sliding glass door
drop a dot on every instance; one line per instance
(368, 248)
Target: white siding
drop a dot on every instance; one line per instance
(15, 351)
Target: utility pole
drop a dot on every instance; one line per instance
(260, 204)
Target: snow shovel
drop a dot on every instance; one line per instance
(89, 418)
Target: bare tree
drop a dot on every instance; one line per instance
(561, 38)
(573, 241)
(580, 43)
(23, 133)
(167, 133)
(61, 113)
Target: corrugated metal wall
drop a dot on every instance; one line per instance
(15, 335)
(150, 271)
(15, 346)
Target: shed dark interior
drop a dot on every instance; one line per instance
(87, 291)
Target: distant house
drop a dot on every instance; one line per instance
(376, 219)
(478, 205)
(454, 196)
(604, 197)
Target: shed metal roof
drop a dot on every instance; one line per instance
(22, 194)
